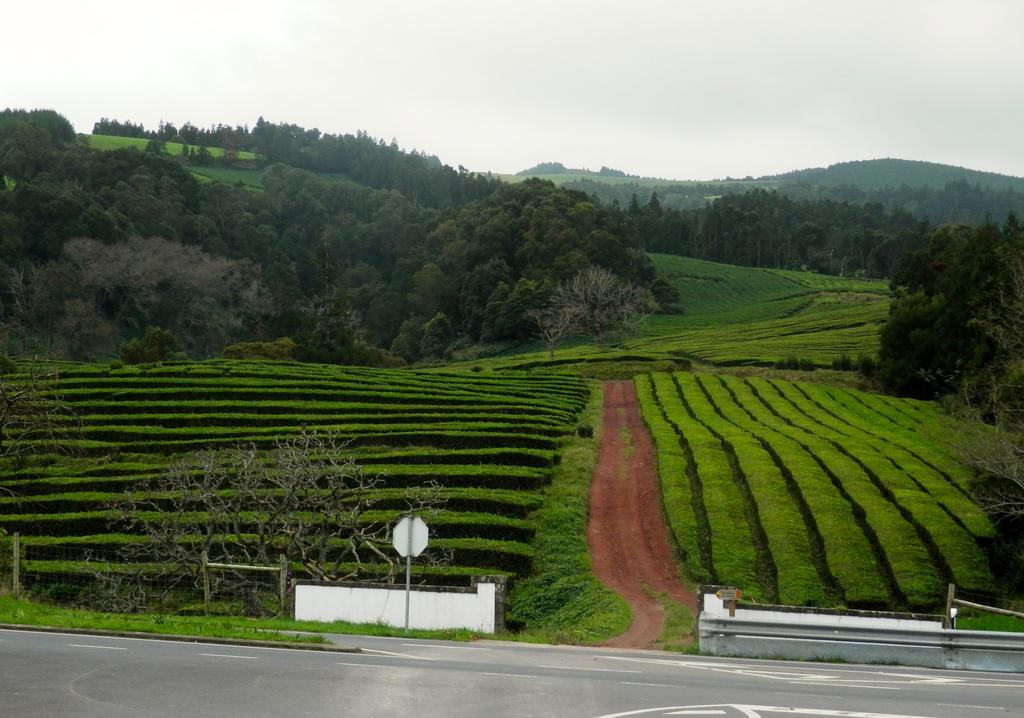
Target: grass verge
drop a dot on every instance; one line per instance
(561, 601)
(990, 623)
(30, 613)
(678, 632)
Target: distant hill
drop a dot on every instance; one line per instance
(882, 173)
(863, 174)
(928, 190)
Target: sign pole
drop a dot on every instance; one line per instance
(408, 579)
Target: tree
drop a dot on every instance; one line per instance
(437, 336)
(307, 499)
(593, 302)
(993, 404)
(33, 417)
(157, 345)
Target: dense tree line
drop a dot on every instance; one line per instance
(768, 229)
(956, 330)
(957, 201)
(937, 333)
(95, 247)
(422, 178)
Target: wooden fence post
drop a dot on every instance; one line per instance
(947, 618)
(283, 587)
(206, 583)
(16, 566)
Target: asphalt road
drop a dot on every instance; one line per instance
(44, 674)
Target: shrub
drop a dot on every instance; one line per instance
(7, 365)
(842, 363)
(280, 349)
(867, 365)
(157, 345)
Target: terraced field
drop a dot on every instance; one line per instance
(741, 316)
(812, 495)
(490, 441)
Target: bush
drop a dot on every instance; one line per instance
(282, 349)
(867, 365)
(843, 363)
(157, 345)
(7, 365)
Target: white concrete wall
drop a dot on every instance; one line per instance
(714, 606)
(434, 609)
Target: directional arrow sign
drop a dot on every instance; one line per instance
(409, 536)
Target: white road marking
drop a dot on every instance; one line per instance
(757, 711)
(831, 684)
(599, 670)
(105, 648)
(392, 654)
(435, 645)
(229, 655)
(507, 675)
(364, 665)
(981, 708)
(697, 713)
(819, 675)
(658, 685)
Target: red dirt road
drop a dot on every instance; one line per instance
(629, 540)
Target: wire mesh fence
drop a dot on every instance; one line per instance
(989, 599)
(107, 579)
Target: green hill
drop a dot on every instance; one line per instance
(863, 174)
(739, 316)
(883, 173)
(812, 495)
(489, 441)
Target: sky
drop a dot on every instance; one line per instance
(675, 89)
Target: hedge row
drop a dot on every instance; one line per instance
(733, 556)
(850, 557)
(952, 547)
(784, 528)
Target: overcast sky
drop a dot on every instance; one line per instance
(688, 90)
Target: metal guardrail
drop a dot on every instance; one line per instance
(766, 637)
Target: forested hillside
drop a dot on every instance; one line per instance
(937, 193)
(98, 246)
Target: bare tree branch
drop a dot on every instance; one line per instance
(308, 499)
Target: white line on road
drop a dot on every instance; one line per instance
(105, 648)
(656, 685)
(436, 645)
(844, 685)
(983, 708)
(365, 665)
(507, 675)
(600, 670)
(697, 713)
(229, 655)
(392, 654)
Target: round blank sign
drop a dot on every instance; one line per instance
(409, 536)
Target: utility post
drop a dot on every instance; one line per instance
(16, 566)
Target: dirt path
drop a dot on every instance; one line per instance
(629, 540)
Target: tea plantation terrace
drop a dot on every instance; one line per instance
(812, 495)
(489, 440)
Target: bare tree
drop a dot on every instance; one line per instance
(554, 323)
(33, 417)
(307, 499)
(594, 301)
